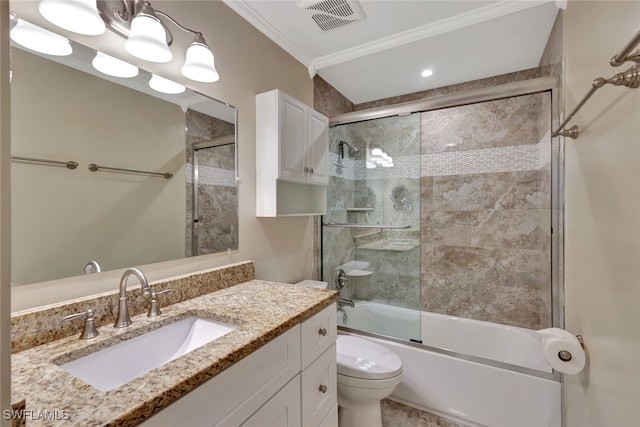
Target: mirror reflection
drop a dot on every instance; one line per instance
(165, 187)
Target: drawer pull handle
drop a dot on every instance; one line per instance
(322, 388)
(322, 332)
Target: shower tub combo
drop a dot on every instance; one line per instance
(447, 205)
(511, 386)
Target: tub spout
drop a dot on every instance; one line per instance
(344, 301)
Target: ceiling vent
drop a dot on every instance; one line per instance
(333, 14)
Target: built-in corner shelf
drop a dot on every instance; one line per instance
(359, 209)
(292, 151)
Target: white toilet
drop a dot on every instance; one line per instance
(367, 373)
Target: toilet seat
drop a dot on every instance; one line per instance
(364, 359)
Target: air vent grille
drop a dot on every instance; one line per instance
(332, 14)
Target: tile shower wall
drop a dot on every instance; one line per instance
(217, 189)
(486, 209)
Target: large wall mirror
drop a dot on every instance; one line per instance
(62, 109)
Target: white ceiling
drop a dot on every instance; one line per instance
(383, 55)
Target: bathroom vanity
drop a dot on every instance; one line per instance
(276, 367)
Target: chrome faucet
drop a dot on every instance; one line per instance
(123, 319)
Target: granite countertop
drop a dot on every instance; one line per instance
(261, 310)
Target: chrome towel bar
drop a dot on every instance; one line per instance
(94, 168)
(386, 227)
(629, 78)
(70, 164)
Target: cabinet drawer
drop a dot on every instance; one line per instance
(282, 410)
(319, 394)
(229, 397)
(317, 334)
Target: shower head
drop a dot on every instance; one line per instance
(352, 150)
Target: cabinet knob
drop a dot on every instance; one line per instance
(311, 170)
(322, 332)
(306, 169)
(322, 388)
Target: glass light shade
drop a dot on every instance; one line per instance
(113, 66)
(40, 40)
(199, 64)
(148, 40)
(376, 152)
(79, 16)
(165, 85)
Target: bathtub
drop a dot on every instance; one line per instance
(488, 375)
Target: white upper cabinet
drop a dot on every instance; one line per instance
(292, 151)
(318, 148)
(293, 138)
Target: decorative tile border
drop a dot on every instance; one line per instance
(515, 158)
(31, 328)
(208, 175)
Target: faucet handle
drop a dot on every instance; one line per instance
(89, 330)
(154, 308)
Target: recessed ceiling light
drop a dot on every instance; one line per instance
(426, 73)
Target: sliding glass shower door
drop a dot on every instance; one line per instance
(371, 233)
(445, 216)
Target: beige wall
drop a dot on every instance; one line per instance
(61, 218)
(602, 247)
(248, 64)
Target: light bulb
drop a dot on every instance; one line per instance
(40, 40)
(79, 16)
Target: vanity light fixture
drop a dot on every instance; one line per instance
(115, 67)
(147, 36)
(38, 39)
(78, 16)
(163, 85)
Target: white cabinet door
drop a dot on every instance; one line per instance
(293, 141)
(318, 148)
(319, 388)
(282, 410)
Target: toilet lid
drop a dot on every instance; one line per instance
(361, 358)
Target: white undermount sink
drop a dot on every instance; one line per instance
(114, 366)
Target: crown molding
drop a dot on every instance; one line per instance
(462, 20)
(243, 9)
(482, 14)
